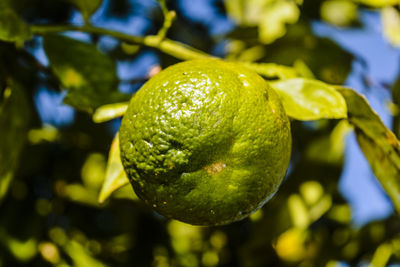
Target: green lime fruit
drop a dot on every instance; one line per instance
(205, 142)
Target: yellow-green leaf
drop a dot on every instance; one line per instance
(271, 16)
(378, 3)
(246, 12)
(115, 173)
(109, 112)
(302, 69)
(81, 256)
(339, 12)
(274, 19)
(272, 70)
(306, 99)
(391, 25)
(379, 145)
(12, 27)
(23, 250)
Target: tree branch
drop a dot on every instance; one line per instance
(173, 48)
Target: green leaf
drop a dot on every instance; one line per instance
(378, 3)
(87, 7)
(81, 256)
(274, 19)
(89, 75)
(109, 112)
(14, 119)
(245, 12)
(306, 99)
(12, 27)
(270, 16)
(302, 69)
(339, 12)
(382, 255)
(115, 173)
(391, 25)
(379, 145)
(23, 250)
(272, 70)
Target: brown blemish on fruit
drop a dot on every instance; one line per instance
(215, 168)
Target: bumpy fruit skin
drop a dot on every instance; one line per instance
(205, 142)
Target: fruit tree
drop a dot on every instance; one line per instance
(196, 133)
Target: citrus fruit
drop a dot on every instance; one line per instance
(205, 142)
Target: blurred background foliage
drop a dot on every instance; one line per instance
(53, 158)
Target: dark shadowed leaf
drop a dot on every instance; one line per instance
(87, 7)
(14, 119)
(13, 28)
(306, 99)
(396, 102)
(328, 61)
(329, 149)
(379, 145)
(89, 75)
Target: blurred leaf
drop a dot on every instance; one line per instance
(272, 70)
(291, 245)
(325, 58)
(339, 12)
(21, 250)
(298, 211)
(80, 256)
(14, 119)
(391, 25)
(377, 3)
(251, 54)
(49, 252)
(396, 101)
(382, 255)
(115, 173)
(305, 99)
(87, 7)
(93, 171)
(12, 27)
(246, 12)
(329, 149)
(311, 191)
(89, 75)
(243, 33)
(379, 145)
(302, 69)
(270, 16)
(109, 112)
(81, 194)
(274, 19)
(340, 213)
(47, 133)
